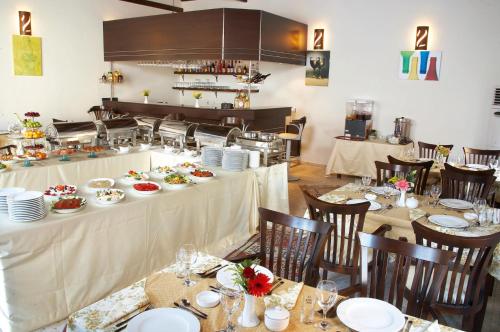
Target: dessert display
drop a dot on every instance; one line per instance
(60, 190)
(7, 159)
(31, 126)
(146, 187)
(63, 152)
(38, 155)
(68, 204)
(101, 183)
(93, 149)
(134, 176)
(110, 196)
(202, 175)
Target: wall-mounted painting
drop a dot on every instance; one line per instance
(318, 68)
(420, 65)
(27, 53)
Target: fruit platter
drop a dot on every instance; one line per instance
(176, 181)
(3, 167)
(100, 184)
(135, 176)
(110, 196)
(68, 204)
(200, 175)
(186, 167)
(60, 190)
(146, 187)
(162, 171)
(31, 126)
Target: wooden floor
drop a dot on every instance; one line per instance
(313, 174)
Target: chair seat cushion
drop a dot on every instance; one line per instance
(290, 136)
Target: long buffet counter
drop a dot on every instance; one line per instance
(46, 267)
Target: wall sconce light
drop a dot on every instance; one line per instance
(422, 38)
(25, 23)
(319, 35)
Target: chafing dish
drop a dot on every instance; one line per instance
(270, 146)
(71, 134)
(215, 135)
(147, 128)
(117, 131)
(174, 132)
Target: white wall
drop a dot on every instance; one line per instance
(365, 38)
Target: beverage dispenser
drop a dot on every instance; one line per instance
(358, 122)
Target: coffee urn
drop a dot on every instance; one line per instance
(402, 130)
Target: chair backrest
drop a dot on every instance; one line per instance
(463, 284)
(8, 149)
(430, 267)
(385, 171)
(466, 184)
(420, 181)
(478, 156)
(427, 150)
(291, 246)
(341, 252)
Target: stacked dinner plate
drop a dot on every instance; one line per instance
(211, 156)
(234, 160)
(26, 206)
(4, 193)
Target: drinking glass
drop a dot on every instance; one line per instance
(188, 255)
(366, 181)
(326, 294)
(307, 310)
(387, 190)
(435, 193)
(230, 300)
(493, 163)
(180, 268)
(479, 205)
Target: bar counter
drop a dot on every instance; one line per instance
(267, 119)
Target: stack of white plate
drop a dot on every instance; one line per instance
(211, 156)
(4, 193)
(26, 206)
(234, 160)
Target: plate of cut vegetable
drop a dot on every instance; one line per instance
(146, 187)
(100, 184)
(110, 196)
(176, 181)
(186, 167)
(201, 175)
(134, 176)
(161, 171)
(68, 204)
(3, 167)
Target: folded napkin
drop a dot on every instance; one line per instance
(102, 315)
(416, 214)
(426, 327)
(285, 298)
(332, 198)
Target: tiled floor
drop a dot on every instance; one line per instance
(313, 174)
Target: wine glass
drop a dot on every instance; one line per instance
(493, 163)
(188, 255)
(366, 181)
(479, 205)
(387, 190)
(435, 193)
(326, 294)
(230, 300)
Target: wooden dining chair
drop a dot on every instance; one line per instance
(385, 171)
(8, 149)
(388, 281)
(427, 150)
(290, 246)
(341, 253)
(478, 156)
(466, 184)
(463, 291)
(420, 181)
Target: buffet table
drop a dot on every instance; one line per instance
(358, 157)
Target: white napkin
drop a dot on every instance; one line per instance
(429, 327)
(285, 298)
(416, 214)
(332, 198)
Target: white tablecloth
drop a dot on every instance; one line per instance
(358, 157)
(78, 170)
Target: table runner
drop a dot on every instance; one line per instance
(358, 157)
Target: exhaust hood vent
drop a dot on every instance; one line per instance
(496, 98)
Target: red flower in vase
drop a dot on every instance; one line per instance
(259, 286)
(248, 273)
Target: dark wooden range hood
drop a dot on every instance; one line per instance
(230, 34)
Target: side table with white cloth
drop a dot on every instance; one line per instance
(358, 158)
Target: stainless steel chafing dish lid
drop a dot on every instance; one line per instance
(148, 123)
(121, 125)
(71, 130)
(216, 135)
(174, 129)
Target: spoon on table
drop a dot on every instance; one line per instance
(187, 304)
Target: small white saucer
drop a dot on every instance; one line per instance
(470, 216)
(371, 197)
(207, 299)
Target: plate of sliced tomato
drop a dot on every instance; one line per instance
(200, 175)
(146, 187)
(68, 204)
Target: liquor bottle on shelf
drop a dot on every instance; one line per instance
(239, 69)
(245, 70)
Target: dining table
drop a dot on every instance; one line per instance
(161, 289)
(400, 218)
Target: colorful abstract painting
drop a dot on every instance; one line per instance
(27, 53)
(420, 65)
(318, 68)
